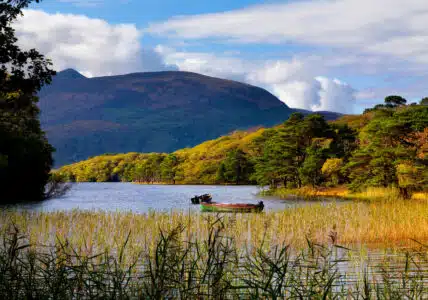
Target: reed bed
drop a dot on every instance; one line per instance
(182, 266)
(370, 194)
(385, 224)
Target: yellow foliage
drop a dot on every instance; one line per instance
(197, 165)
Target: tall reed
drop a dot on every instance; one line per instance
(388, 224)
(370, 194)
(213, 267)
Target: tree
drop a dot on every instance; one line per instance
(220, 176)
(149, 171)
(235, 168)
(390, 139)
(395, 101)
(25, 151)
(310, 171)
(411, 177)
(424, 101)
(169, 168)
(331, 169)
(283, 156)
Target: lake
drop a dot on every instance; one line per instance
(144, 198)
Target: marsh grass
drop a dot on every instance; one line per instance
(369, 195)
(385, 224)
(185, 266)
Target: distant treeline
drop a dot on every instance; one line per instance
(385, 146)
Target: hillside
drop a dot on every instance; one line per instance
(382, 147)
(194, 165)
(148, 112)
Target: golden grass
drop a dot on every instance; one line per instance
(384, 224)
(420, 196)
(370, 194)
(311, 192)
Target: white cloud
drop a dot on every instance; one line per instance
(384, 29)
(337, 23)
(335, 95)
(295, 81)
(92, 46)
(299, 94)
(206, 63)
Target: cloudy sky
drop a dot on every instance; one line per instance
(339, 55)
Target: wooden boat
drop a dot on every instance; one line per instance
(232, 207)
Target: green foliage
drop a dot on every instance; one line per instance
(384, 144)
(385, 147)
(424, 101)
(169, 168)
(395, 100)
(235, 168)
(310, 171)
(294, 154)
(25, 154)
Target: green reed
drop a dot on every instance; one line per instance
(175, 264)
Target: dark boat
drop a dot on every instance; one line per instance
(201, 199)
(232, 207)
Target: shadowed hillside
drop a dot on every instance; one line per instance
(146, 112)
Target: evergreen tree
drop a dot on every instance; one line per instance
(310, 171)
(169, 168)
(385, 143)
(394, 100)
(235, 168)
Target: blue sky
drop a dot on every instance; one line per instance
(341, 55)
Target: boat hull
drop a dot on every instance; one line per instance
(225, 207)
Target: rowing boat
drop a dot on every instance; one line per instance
(232, 207)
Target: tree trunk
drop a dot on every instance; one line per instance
(404, 193)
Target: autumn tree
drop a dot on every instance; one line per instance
(331, 170)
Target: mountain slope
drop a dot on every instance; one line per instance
(148, 112)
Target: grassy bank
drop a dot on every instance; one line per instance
(369, 194)
(95, 257)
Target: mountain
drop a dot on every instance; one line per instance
(148, 112)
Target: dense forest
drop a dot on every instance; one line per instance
(385, 146)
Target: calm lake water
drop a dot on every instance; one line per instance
(144, 198)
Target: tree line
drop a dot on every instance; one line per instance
(388, 148)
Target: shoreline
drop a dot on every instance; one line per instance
(343, 192)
